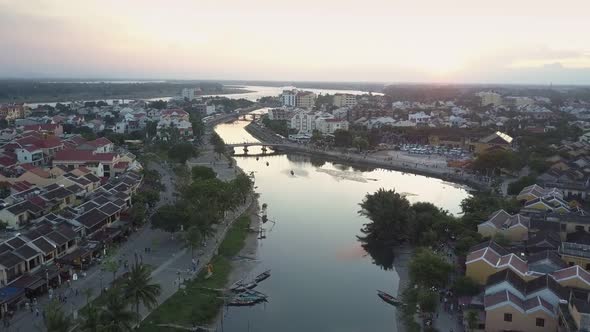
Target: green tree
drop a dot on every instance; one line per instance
(465, 286)
(169, 218)
(115, 315)
(140, 289)
(90, 318)
(360, 143)
(472, 319)
(181, 152)
(55, 320)
(342, 138)
(428, 269)
(390, 217)
(427, 299)
(137, 214)
(111, 264)
(192, 238)
(202, 173)
(515, 187)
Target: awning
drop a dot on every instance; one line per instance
(26, 282)
(9, 294)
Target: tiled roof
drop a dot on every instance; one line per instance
(570, 273)
(82, 155)
(44, 245)
(26, 252)
(9, 260)
(92, 218)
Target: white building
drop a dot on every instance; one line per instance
(303, 122)
(278, 114)
(330, 125)
(344, 100)
(490, 98)
(188, 93)
(289, 98)
(419, 117)
(341, 113)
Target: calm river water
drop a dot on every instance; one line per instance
(322, 280)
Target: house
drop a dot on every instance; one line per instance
(497, 139)
(101, 164)
(514, 227)
(19, 215)
(47, 128)
(507, 312)
(551, 203)
(488, 258)
(330, 125)
(535, 191)
(99, 145)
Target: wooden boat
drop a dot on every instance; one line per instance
(250, 285)
(263, 276)
(388, 298)
(236, 285)
(241, 302)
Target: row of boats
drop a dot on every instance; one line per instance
(245, 295)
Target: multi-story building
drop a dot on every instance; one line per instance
(344, 100)
(302, 121)
(12, 111)
(188, 93)
(278, 114)
(490, 98)
(330, 125)
(305, 99)
(288, 98)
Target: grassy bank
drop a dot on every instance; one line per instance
(194, 304)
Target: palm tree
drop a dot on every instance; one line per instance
(139, 289)
(55, 320)
(90, 319)
(115, 315)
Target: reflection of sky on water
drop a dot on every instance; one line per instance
(319, 270)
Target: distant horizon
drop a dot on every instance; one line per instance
(287, 82)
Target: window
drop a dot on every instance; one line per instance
(579, 228)
(563, 227)
(540, 322)
(507, 317)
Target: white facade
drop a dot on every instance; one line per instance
(329, 126)
(419, 117)
(341, 113)
(29, 156)
(188, 93)
(289, 98)
(303, 122)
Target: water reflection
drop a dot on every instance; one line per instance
(323, 279)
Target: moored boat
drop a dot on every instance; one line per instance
(263, 276)
(388, 298)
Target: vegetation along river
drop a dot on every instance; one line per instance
(322, 279)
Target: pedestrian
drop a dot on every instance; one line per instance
(37, 312)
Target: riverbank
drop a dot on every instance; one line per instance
(354, 159)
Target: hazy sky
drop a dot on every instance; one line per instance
(501, 41)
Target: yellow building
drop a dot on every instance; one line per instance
(344, 100)
(513, 227)
(305, 99)
(488, 258)
(495, 140)
(506, 312)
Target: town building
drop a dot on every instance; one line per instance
(490, 98)
(187, 93)
(495, 140)
(305, 99)
(344, 100)
(288, 98)
(330, 125)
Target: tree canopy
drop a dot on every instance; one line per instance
(428, 269)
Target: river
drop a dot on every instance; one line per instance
(256, 92)
(322, 279)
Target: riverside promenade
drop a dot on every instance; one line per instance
(168, 257)
(410, 166)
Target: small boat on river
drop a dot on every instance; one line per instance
(263, 276)
(389, 298)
